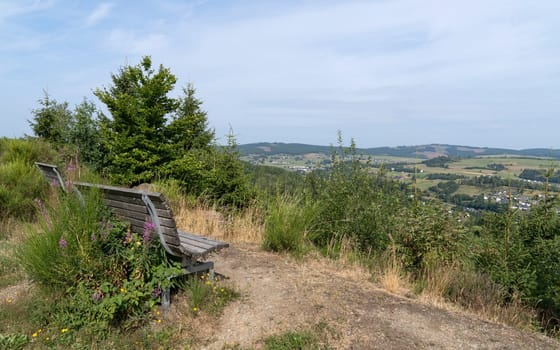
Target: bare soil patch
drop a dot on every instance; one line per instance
(281, 294)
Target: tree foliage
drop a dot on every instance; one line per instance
(52, 121)
(135, 137)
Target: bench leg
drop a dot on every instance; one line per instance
(166, 298)
(188, 268)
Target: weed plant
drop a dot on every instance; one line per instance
(10, 270)
(314, 338)
(205, 294)
(27, 151)
(13, 341)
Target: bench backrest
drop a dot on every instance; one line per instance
(51, 173)
(137, 208)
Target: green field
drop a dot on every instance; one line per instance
(467, 167)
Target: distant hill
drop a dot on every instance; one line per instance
(422, 151)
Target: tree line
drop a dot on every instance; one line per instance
(147, 135)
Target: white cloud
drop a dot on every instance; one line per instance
(99, 13)
(11, 8)
(137, 43)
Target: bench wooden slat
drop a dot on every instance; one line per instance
(167, 231)
(51, 173)
(133, 198)
(143, 217)
(193, 251)
(200, 244)
(193, 236)
(195, 243)
(162, 213)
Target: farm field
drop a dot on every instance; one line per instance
(405, 168)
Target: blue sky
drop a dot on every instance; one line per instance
(386, 73)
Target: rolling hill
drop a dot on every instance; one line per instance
(421, 151)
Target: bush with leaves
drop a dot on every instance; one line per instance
(427, 233)
(353, 204)
(20, 181)
(520, 252)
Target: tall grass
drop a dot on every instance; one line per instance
(201, 217)
(392, 275)
(287, 223)
(63, 220)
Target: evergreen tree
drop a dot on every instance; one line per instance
(135, 140)
(85, 134)
(189, 126)
(52, 121)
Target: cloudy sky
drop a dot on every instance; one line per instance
(384, 72)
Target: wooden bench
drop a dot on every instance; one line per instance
(138, 207)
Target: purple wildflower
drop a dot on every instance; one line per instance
(97, 295)
(149, 227)
(71, 167)
(55, 183)
(41, 205)
(105, 226)
(128, 238)
(62, 242)
(93, 237)
(156, 292)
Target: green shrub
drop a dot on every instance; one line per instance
(427, 234)
(20, 184)
(26, 150)
(286, 225)
(100, 273)
(520, 252)
(353, 204)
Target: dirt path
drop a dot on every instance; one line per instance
(281, 294)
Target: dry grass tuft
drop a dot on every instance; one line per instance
(245, 226)
(391, 274)
(451, 288)
(436, 280)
